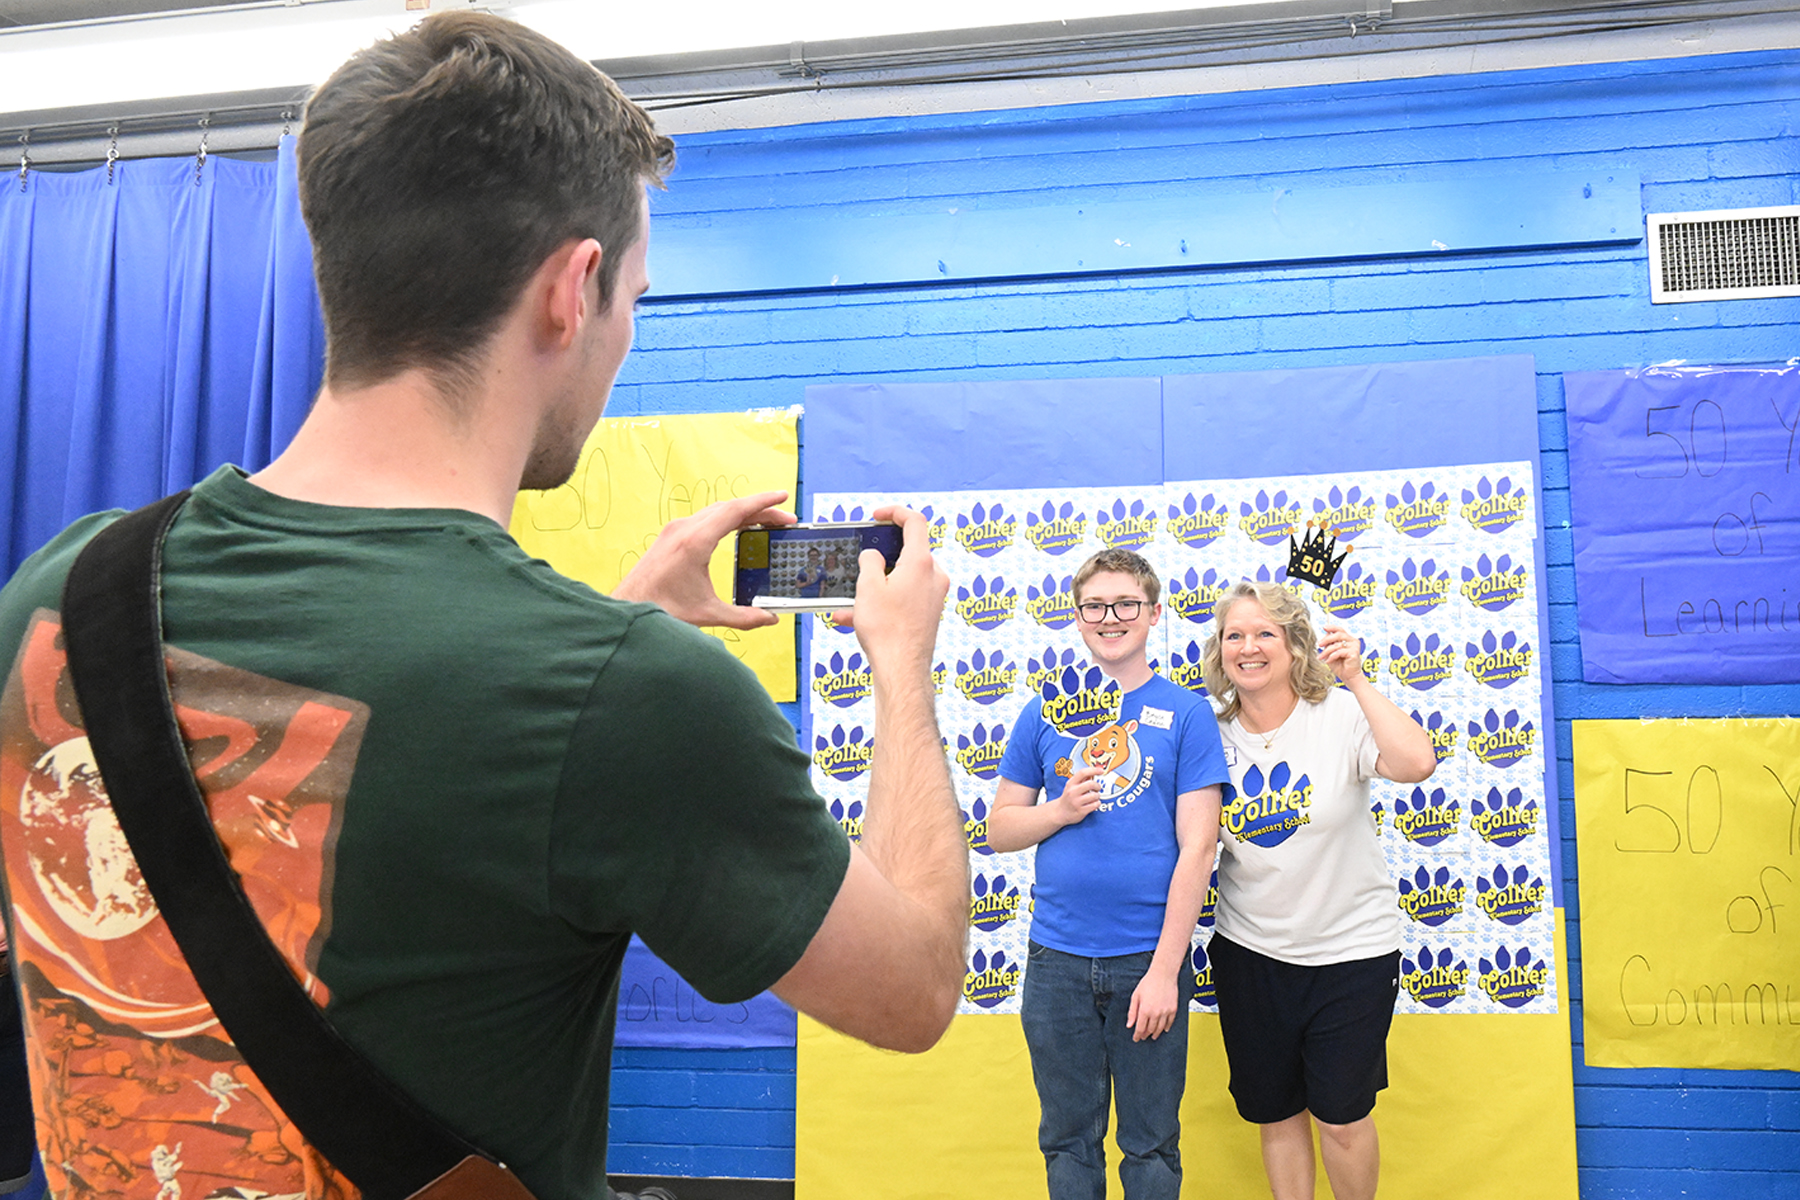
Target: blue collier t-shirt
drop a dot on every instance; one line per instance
(1103, 882)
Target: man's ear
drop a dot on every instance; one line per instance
(564, 282)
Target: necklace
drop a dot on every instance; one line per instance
(1268, 737)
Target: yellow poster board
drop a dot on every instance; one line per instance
(1479, 1107)
(1689, 840)
(636, 474)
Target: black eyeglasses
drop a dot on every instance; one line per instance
(1094, 612)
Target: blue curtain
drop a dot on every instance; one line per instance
(151, 327)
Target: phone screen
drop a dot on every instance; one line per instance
(801, 567)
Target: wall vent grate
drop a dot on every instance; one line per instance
(1731, 254)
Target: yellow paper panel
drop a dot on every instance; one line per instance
(636, 474)
(1689, 843)
(1480, 1107)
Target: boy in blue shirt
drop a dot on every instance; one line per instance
(1126, 833)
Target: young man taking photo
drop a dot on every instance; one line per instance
(452, 782)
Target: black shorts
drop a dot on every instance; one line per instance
(1304, 1038)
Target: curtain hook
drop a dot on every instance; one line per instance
(24, 157)
(287, 121)
(200, 158)
(112, 151)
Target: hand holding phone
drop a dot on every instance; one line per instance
(674, 571)
(808, 568)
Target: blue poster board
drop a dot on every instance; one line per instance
(1687, 524)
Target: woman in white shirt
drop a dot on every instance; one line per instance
(1305, 953)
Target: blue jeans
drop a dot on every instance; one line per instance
(1074, 1012)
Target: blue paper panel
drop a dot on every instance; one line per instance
(657, 1007)
(1687, 524)
(803, 247)
(925, 437)
(1378, 416)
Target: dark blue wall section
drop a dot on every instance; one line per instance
(797, 243)
(720, 1113)
(1694, 133)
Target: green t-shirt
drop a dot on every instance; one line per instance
(453, 781)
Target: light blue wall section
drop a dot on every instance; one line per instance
(1694, 133)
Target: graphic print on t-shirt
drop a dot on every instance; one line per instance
(1115, 753)
(137, 1090)
(1268, 809)
(1086, 705)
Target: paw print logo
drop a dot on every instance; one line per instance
(1426, 820)
(934, 525)
(1081, 702)
(985, 531)
(1210, 908)
(1431, 897)
(1193, 595)
(1349, 512)
(1513, 977)
(850, 817)
(1418, 512)
(1511, 898)
(1204, 993)
(1494, 584)
(1417, 588)
(1501, 741)
(1052, 602)
(1421, 663)
(986, 604)
(1498, 662)
(1187, 668)
(1493, 507)
(1434, 978)
(975, 828)
(842, 681)
(1055, 529)
(1266, 811)
(1198, 522)
(1270, 520)
(1353, 592)
(840, 514)
(1275, 574)
(1504, 820)
(1442, 733)
(992, 904)
(978, 751)
(1044, 667)
(991, 980)
(1125, 527)
(986, 676)
(841, 754)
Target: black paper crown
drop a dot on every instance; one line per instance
(1312, 561)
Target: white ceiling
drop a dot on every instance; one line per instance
(72, 69)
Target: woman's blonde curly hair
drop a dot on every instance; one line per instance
(1308, 675)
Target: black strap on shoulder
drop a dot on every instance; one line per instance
(112, 626)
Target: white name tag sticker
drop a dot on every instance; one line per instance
(1156, 718)
(1230, 755)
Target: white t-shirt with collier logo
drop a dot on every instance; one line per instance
(1302, 878)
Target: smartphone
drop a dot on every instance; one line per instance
(808, 568)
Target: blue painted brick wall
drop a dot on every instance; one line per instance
(1710, 132)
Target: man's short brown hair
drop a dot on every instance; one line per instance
(438, 170)
(1124, 562)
